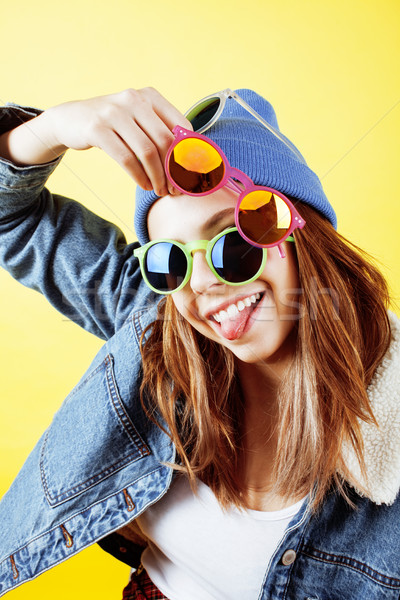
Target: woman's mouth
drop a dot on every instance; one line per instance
(232, 320)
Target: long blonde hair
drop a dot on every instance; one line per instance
(190, 389)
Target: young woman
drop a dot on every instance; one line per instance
(261, 459)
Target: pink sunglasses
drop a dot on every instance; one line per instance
(196, 166)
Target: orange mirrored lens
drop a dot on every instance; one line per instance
(264, 217)
(196, 166)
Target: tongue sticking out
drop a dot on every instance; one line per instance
(232, 327)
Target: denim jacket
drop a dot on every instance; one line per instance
(101, 463)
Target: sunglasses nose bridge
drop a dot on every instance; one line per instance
(236, 174)
(202, 275)
(193, 247)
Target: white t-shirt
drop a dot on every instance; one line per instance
(198, 551)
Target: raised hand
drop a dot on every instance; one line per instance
(132, 126)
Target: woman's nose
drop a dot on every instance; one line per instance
(202, 278)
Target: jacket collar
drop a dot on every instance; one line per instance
(382, 444)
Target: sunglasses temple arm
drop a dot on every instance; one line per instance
(274, 131)
(281, 251)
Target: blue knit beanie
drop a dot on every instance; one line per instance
(250, 147)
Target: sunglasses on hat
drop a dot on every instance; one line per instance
(207, 111)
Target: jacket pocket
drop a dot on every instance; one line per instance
(339, 576)
(91, 437)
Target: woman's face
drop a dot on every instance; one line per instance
(262, 331)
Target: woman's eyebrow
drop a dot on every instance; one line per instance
(216, 218)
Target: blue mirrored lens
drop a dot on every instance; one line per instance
(234, 259)
(165, 266)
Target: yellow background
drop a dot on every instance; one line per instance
(329, 68)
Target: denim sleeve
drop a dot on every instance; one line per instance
(80, 262)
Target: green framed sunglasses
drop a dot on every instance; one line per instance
(167, 265)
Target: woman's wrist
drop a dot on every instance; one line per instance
(31, 143)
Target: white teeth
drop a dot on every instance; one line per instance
(234, 309)
(223, 315)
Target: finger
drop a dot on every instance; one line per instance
(134, 100)
(149, 153)
(156, 129)
(161, 136)
(150, 143)
(143, 109)
(111, 143)
(165, 110)
(146, 124)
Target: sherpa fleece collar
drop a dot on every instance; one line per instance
(382, 444)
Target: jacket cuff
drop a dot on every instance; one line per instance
(12, 115)
(20, 186)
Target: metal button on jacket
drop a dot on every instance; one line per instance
(288, 557)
